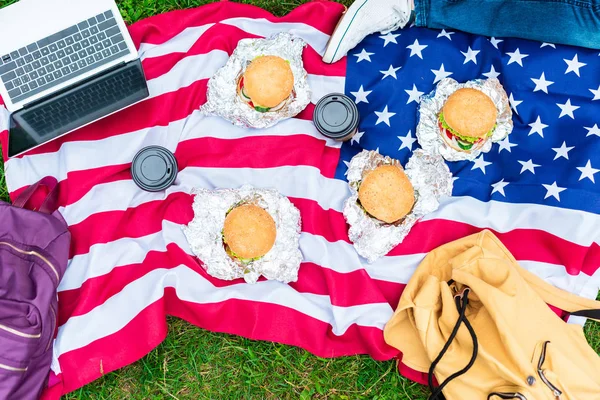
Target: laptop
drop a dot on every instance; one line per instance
(64, 64)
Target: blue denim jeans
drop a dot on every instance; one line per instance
(574, 22)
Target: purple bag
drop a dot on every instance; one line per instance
(34, 250)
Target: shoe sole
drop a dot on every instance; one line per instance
(333, 38)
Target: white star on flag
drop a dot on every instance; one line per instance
(567, 109)
(548, 44)
(514, 103)
(528, 166)
(574, 65)
(416, 49)
(499, 187)
(389, 38)
(361, 95)
(445, 34)
(594, 130)
(495, 41)
(356, 138)
(588, 171)
(492, 74)
(517, 57)
(390, 72)
(596, 93)
(384, 116)
(505, 144)
(407, 141)
(470, 55)
(440, 74)
(541, 84)
(562, 151)
(480, 163)
(537, 127)
(347, 167)
(553, 190)
(413, 95)
(363, 55)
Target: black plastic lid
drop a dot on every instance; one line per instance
(336, 116)
(154, 168)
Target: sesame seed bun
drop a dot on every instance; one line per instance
(268, 81)
(387, 194)
(470, 112)
(249, 231)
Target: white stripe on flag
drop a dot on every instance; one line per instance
(180, 43)
(323, 85)
(85, 155)
(306, 182)
(556, 275)
(121, 308)
(262, 27)
(187, 71)
(4, 118)
(336, 256)
(300, 181)
(576, 226)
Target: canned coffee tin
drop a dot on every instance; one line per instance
(336, 117)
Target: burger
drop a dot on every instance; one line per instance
(467, 119)
(387, 194)
(249, 233)
(267, 83)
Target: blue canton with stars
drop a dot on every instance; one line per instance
(552, 157)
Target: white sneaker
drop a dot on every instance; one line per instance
(363, 18)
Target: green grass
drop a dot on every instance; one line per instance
(195, 364)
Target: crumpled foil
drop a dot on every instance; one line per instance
(428, 131)
(224, 100)
(431, 179)
(205, 234)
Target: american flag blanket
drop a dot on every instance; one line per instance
(130, 264)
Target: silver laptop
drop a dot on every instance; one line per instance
(64, 64)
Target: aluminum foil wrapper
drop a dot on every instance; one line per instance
(431, 179)
(223, 97)
(204, 234)
(428, 131)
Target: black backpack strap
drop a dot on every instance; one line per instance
(462, 301)
(593, 314)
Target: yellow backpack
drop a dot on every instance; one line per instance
(480, 323)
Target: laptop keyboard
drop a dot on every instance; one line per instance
(93, 98)
(63, 56)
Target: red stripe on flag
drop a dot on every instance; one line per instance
(329, 224)
(113, 225)
(254, 320)
(524, 244)
(225, 37)
(258, 152)
(249, 152)
(157, 111)
(135, 222)
(351, 289)
(4, 142)
(161, 28)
